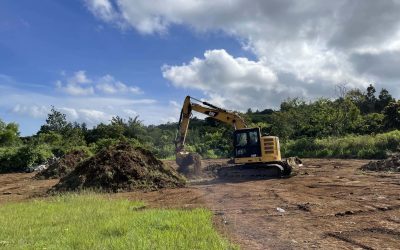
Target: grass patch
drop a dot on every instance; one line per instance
(94, 222)
(375, 146)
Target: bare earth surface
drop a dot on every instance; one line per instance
(329, 204)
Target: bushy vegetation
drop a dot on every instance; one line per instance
(349, 146)
(91, 221)
(356, 124)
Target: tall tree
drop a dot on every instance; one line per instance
(392, 115)
(384, 99)
(56, 122)
(370, 100)
(357, 97)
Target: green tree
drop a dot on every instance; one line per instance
(384, 99)
(9, 134)
(372, 123)
(391, 114)
(56, 122)
(292, 104)
(135, 128)
(357, 97)
(370, 100)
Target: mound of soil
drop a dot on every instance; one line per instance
(121, 168)
(63, 166)
(391, 164)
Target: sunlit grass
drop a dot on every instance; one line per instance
(350, 146)
(93, 222)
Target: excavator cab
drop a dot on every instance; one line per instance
(247, 143)
(250, 147)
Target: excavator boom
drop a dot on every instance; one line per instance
(208, 109)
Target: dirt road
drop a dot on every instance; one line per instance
(329, 204)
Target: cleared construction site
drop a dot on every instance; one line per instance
(326, 203)
(259, 199)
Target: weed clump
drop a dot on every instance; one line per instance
(121, 168)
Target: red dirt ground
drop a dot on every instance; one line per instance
(329, 204)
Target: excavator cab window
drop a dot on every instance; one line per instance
(247, 143)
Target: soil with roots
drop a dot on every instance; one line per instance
(121, 168)
(391, 164)
(63, 166)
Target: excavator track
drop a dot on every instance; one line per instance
(256, 171)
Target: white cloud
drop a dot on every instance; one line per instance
(74, 89)
(71, 113)
(79, 77)
(77, 84)
(130, 112)
(228, 81)
(102, 8)
(221, 70)
(80, 84)
(34, 111)
(308, 45)
(107, 84)
(90, 116)
(93, 116)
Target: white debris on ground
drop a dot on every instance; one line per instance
(281, 210)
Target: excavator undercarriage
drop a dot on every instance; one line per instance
(255, 171)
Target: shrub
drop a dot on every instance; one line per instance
(16, 159)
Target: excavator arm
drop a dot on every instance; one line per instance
(208, 109)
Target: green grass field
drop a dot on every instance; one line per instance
(92, 221)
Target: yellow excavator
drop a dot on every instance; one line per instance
(255, 155)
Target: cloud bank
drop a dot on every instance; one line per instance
(302, 47)
(109, 98)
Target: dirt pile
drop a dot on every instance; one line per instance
(121, 168)
(63, 166)
(391, 164)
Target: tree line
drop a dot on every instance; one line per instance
(352, 113)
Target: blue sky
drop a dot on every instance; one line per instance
(94, 59)
(42, 40)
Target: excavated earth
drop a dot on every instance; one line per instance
(121, 168)
(391, 164)
(63, 166)
(329, 204)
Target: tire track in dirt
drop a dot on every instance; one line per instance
(341, 199)
(246, 210)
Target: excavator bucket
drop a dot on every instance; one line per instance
(189, 164)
